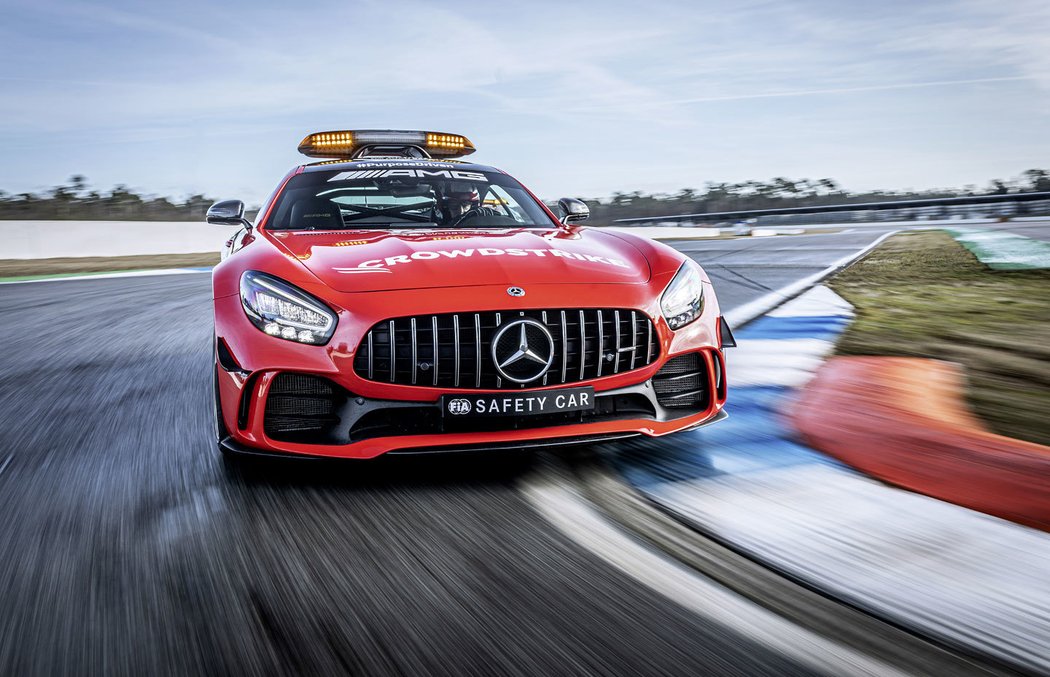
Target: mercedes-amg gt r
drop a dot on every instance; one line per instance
(395, 299)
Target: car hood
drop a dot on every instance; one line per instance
(371, 260)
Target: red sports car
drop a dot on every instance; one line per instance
(394, 299)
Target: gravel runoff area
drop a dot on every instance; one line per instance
(924, 295)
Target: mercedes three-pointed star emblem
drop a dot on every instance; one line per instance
(523, 351)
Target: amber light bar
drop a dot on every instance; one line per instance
(349, 143)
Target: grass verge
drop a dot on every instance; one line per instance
(924, 295)
(25, 268)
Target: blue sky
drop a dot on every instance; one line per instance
(580, 98)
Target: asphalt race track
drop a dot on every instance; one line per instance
(129, 547)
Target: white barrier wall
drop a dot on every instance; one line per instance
(47, 239)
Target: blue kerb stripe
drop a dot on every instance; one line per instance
(823, 327)
(752, 438)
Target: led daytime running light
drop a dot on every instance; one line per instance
(284, 311)
(683, 300)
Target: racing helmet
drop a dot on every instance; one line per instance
(461, 194)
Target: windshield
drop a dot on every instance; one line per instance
(399, 197)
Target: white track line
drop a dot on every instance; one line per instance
(753, 309)
(559, 503)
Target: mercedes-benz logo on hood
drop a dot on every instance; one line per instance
(522, 351)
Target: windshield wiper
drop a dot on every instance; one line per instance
(400, 211)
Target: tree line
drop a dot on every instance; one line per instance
(782, 192)
(75, 201)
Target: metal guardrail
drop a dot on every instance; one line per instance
(968, 200)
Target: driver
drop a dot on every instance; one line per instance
(461, 202)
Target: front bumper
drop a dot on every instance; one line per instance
(370, 419)
(366, 428)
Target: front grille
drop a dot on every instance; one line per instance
(682, 382)
(301, 407)
(454, 350)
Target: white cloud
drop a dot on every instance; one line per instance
(702, 90)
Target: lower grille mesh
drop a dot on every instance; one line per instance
(682, 382)
(300, 405)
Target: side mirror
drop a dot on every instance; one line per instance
(573, 210)
(228, 213)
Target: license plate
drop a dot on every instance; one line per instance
(518, 404)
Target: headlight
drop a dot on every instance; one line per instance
(683, 300)
(281, 310)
